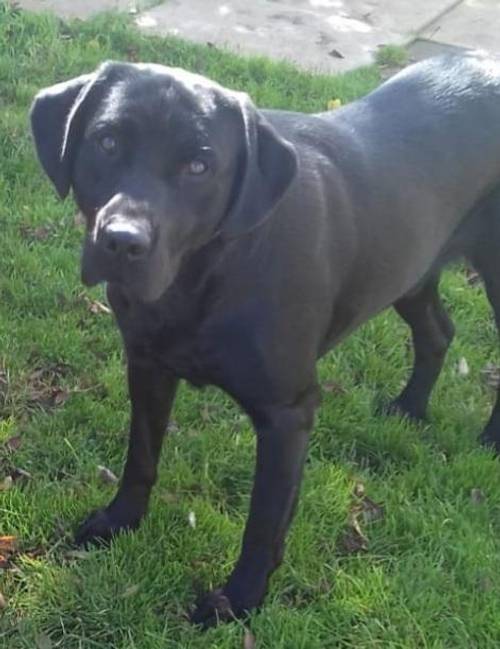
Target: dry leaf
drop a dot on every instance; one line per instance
(371, 511)
(43, 386)
(359, 490)
(463, 367)
(77, 554)
(205, 414)
(473, 278)
(13, 443)
(20, 474)
(8, 547)
(334, 388)
(7, 544)
(106, 475)
(43, 641)
(96, 307)
(6, 483)
(130, 591)
(477, 496)
(333, 104)
(486, 584)
(3, 603)
(169, 497)
(39, 233)
(353, 540)
(249, 640)
(59, 396)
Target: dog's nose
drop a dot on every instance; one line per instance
(119, 238)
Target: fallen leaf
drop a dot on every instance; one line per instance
(463, 367)
(486, 584)
(249, 640)
(8, 544)
(38, 233)
(359, 490)
(353, 540)
(77, 554)
(205, 414)
(371, 511)
(43, 641)
(477, 496)
(333, 104)
(169, 497)
(8, 547)
(473, 278)
(13, 443)
(6, 483)
(20, 474)
(334, 388)
(172, 427)
(43, 386)
(192, 519)
(130, 591)
(106, 475)
(59, 396)
(3, 603)
(96, 307)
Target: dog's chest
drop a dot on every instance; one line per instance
(175, 336)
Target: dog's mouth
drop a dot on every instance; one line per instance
(144, 281)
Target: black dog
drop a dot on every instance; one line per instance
(239, 245)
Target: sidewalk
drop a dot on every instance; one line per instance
(319, 35)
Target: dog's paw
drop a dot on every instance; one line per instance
(212, 609)
(217, 607)
(100, 527)
(400, 408)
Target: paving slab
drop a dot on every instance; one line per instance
(473, 24)
(320, 35)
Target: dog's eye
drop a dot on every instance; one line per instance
(196, 167)
(108, 144)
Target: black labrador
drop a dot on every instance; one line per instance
(239, 245)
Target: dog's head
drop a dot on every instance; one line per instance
(160, 161)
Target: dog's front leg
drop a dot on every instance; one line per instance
(152, 393)
(282, 437)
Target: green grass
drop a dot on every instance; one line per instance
(392, 55)
(429, 577)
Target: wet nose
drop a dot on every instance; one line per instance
(130, 240)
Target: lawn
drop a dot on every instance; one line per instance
(424, 573)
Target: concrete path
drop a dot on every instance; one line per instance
(318, 35)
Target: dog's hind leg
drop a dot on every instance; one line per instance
(432, 332)
(488, 266)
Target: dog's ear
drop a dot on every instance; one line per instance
(269, 167)
(54, 117)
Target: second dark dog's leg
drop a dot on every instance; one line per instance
(432, 332)
(282, 437)
(488, 268)
(152, 393)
